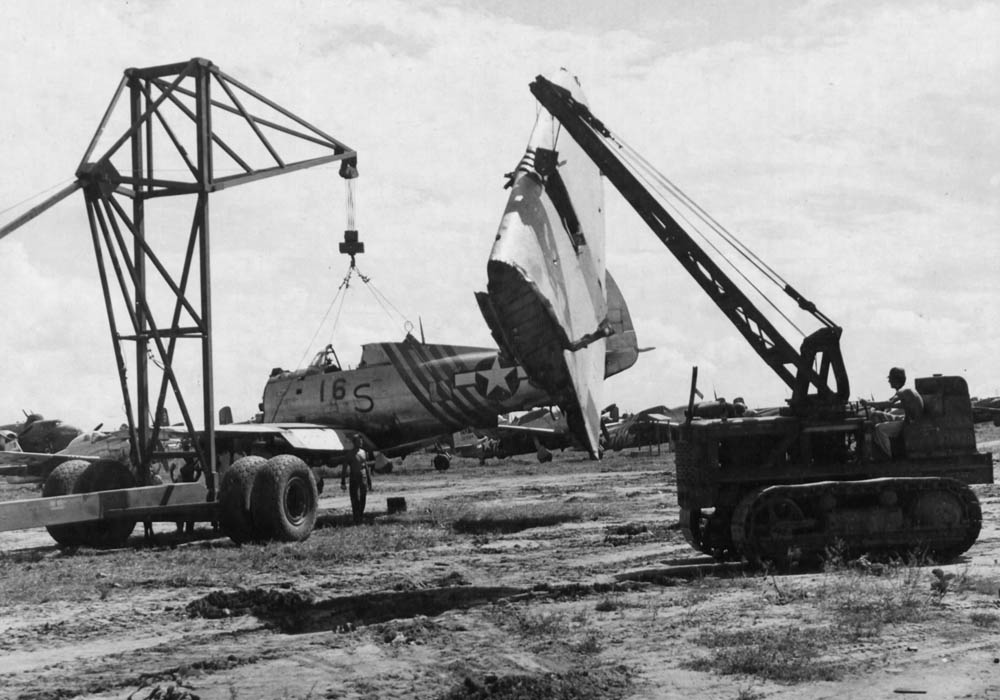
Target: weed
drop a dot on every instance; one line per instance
(787, 654)
(941, 583)
(985, 619)
(104, 589)
(960, 581)
(653, 608)
(591, 644)
(532, 624)
(606, 604)
(865, 596)
(783, 592)
(611, 682)
(72, 576)
(513, 517)
(700, 589)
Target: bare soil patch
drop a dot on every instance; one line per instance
(506, 581)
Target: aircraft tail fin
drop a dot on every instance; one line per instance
(622, 347)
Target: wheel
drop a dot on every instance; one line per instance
(776, 516)
(284, 501)
(235, 488)
(441, 462)
(938, 509)
(60, 482)
(544, 455)
(770, 528)
(707, 532)
(956, 521)
(105, 475)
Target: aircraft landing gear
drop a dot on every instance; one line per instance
(441, 462)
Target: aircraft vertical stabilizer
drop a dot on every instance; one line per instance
(547, 300)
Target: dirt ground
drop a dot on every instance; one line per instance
(573, 610)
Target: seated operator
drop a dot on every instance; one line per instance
(904, 406)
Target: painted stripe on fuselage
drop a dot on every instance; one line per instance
(441, 370)
(472, 404)
(411, 367)
(429, 373)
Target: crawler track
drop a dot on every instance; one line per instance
(939, 516)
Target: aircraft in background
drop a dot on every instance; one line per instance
(35, 446)
(651, 426)
(659, 424)
(39, 434)
(539, 430)
(549, 300)
(986, 410)
(90, 446)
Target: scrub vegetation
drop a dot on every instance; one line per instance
(511, 580)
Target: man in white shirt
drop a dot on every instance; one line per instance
(902, 407)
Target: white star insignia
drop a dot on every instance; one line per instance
(496, 376)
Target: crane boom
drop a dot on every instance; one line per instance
(795, 368)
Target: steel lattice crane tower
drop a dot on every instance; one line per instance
(189, 117)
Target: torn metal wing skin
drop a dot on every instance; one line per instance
(547, 297)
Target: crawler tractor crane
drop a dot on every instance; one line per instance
(796, 484)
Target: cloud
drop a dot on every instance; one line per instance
(851, 146)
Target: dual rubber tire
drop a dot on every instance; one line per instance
(79, 476)
(268, 500)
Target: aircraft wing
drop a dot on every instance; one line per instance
(529, 430)
(547, 301)
(316, 438)
(657, 418)
(37, 463)
(307, 437)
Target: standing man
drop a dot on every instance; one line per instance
(360, 474)
(904, 406)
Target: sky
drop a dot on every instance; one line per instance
(851, 145)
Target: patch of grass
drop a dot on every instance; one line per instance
(607, 604)
(609, 682)
(507, 518)
(570, 630)
(864, 597)
(786, 654)
(985, 619)
(529, 624)
(963, 581)
(782, 592)
(590, 644)
(83, 574)
(699, 590)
